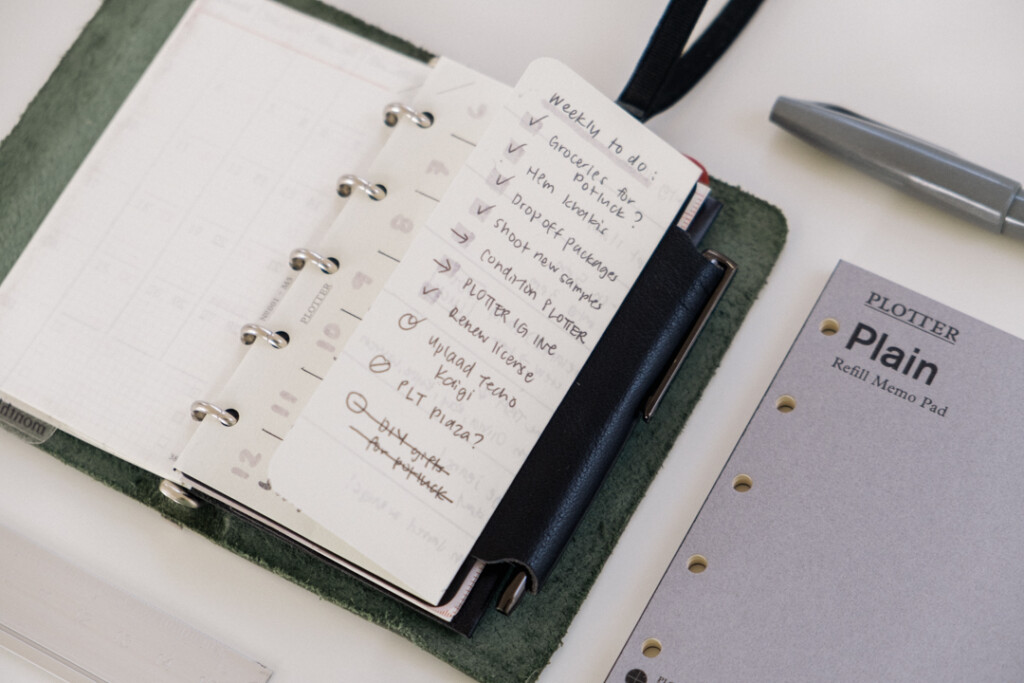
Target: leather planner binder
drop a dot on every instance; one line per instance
(866, 524)
(271, 271)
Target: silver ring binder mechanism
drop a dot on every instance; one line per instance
(298, 258)
(177, 494)
(251, 332)
(227, 416)
(349, 182)
(396, 111)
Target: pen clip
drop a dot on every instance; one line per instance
(728, 267)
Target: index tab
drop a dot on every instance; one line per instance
(443, 389)
(28, 428)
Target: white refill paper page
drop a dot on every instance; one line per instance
(271, 386)
(413, 437)
(127, 304)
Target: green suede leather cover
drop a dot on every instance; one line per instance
(51, 140)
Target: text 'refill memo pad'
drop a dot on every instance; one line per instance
(869, 523)
(430, 410)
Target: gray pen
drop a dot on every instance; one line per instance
(907, 163)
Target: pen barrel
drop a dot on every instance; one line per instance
(944, 180)
(907, 163)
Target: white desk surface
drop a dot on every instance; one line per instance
(948, 71)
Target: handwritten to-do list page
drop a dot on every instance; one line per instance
(420, 426)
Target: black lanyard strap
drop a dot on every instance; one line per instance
(665, 73)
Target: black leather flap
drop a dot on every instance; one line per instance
(547, 499)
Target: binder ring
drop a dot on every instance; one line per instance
(200, 409)
(298, 258)
(347, 183)
(252, 332)
(397, 111)
(177, 494)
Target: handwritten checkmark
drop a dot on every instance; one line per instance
(501, 181)
(513, 150)
(431, 294)
(481, 210)
(535, 121)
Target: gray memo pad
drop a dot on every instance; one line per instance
(873, 532)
